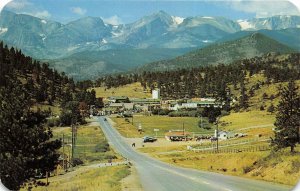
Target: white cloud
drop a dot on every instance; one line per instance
(114, 20)
(78, 10)
(265, 8)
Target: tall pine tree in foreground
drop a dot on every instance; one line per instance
(25, 145)
(288, 118)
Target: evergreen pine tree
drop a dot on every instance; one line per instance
(25, 146)
(288, 118)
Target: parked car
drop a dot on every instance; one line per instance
(149, 139)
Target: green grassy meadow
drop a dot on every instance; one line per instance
(163, 123)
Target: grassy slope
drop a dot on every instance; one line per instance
(281, 169)
(163, 123)
(131, 90)
(107, 179)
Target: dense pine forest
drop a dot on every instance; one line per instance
(212, 81)
(26, 145)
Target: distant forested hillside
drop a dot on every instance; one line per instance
(252, 45)
(214, 81)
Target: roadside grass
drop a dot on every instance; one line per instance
(98, 179)
(134, 90)
(282, 167)
(163, 123)
(91, 144)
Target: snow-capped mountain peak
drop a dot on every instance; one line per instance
(245, 24)
(177, 20)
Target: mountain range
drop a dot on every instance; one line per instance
(82, 47)
(253, 45)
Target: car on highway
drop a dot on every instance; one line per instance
(149, 139)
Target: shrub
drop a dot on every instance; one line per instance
(77, 161)
(262, 108)
(53, 122)
(109, 156)
(247, 169)
(161, 112)
(102, 147)
(271, 108)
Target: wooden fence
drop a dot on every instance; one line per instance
(233, 150)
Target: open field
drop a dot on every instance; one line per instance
(134, 90)
(91, 144)
(163, 123)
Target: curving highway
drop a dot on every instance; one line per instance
(159, 176)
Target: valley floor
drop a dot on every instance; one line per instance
(243, 159)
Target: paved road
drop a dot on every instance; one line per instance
(159, 176)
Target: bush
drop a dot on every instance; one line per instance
(77, 161)
(102, 147)
(65, 118)
(54, 122)
(247, 169)
(184, 113)
(271, 108)
(262, 108)
(109, 156)
(160, 111)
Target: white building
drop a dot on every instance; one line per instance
(156, 94)
(223, 135)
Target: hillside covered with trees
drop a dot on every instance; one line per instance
(221, 81)
(26, 144)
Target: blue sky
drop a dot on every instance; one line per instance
(127, 11)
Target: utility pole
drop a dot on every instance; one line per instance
(132, 119)
(217, 123)
(73, 142)
(183, 131)
(63, 145)
(201, 122)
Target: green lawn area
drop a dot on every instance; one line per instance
(134, 90)
(163, 123)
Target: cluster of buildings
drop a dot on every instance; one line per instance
(117, 104)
